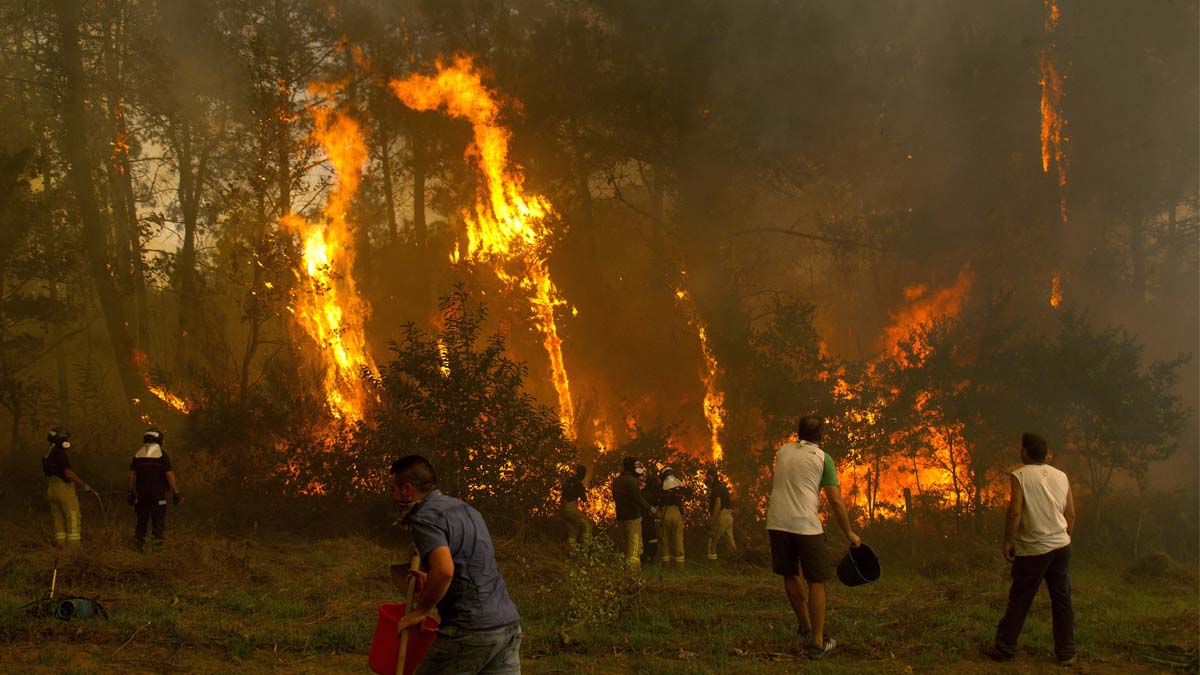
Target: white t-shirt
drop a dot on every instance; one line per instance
(1043, 525)
(801, 469)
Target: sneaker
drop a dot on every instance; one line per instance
(820, 652)
(805, 636)
(1067, 662)
(993, 652)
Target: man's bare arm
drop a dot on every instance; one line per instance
(437, 581)
(1012, 520)
(74, 478)
(1069, 511)
(833, 494)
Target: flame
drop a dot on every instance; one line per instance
(602, 433)
(923, 309)
(714, 398)
(160, 392)
(443, 358)
(1054, 123)
(170, 399)
(328, 307)
(1056, 291)
(943, 464)
(506, 225)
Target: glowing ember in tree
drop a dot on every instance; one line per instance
(327, 305)
(714, 398)
(506, 227)
(1056, 291)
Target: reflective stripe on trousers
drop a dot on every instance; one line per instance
(721, 530)
(64, 510)
(671, 537)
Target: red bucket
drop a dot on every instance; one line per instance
(385, 646)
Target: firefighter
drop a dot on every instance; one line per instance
(720, 508)
(670, 538)
(60, 489)
(574, 493)
(150, 478)
(627, 497)
(650, 524)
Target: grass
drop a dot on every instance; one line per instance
(214, 604)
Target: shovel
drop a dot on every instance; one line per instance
(402, 578)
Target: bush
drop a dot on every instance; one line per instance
(595, 588)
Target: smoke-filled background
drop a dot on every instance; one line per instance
(304, 237)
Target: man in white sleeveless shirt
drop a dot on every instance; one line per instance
(1037, 541)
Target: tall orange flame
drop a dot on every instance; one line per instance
(714, 398)
(506, 225)
(1054, 124)
(328, 306)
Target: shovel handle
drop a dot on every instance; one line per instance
(408, 600)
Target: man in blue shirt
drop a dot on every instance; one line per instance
(480, 628)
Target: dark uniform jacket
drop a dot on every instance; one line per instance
(719, 489)
(573, 490)
(56, 463)
(150, 477)
(627, 496)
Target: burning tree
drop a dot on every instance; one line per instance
(458, 399)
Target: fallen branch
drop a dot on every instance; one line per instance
(131, 637)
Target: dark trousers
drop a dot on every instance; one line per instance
(1027, 575)
(150, 511)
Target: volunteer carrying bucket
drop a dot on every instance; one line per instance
(859, 566)
(385, 646)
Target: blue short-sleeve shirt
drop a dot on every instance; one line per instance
(477, 598)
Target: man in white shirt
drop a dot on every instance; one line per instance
(1037, 541)
(802, 472)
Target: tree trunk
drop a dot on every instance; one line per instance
(191, 185)
(130, 265)
(283, 139)
(420, 231)
(79, 174)
(385, 167)
(1137, 259)
(60, 362)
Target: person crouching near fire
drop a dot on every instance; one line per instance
(150, 479)
(803, 471)
(628, 499)
(671, 530)
(1037, 541)
(60, 490)
(481, 629)
(574, 494)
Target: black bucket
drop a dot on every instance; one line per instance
(859, 566)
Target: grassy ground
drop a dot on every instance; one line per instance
(208, 604)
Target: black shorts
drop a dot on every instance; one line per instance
(793, 553)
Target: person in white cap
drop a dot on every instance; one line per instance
(670, 538)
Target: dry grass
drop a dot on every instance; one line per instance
(210, 604)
